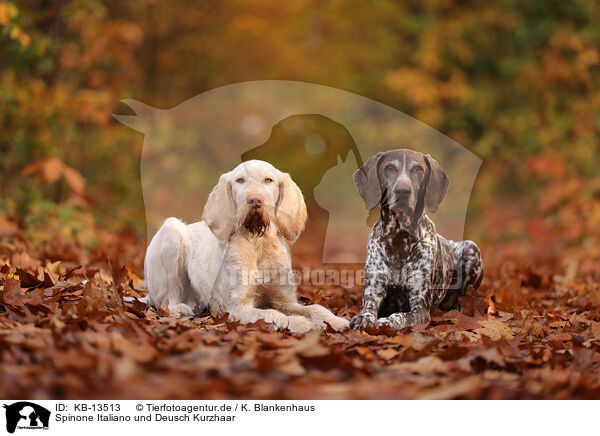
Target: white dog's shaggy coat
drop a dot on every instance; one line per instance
(238, 258)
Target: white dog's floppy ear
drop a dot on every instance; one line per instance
(219, 211)
(290, 216)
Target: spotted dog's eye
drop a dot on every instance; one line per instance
(240, 180)
(418, 170)
(390, 167)
(268, 180)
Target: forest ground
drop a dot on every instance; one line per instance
(531, 331)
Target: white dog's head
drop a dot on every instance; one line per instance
(251, 197)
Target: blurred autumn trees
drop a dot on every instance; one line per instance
(63, 68)
(516, 82)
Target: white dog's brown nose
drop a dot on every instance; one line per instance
(255, 201)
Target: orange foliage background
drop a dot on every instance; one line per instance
(516, 82)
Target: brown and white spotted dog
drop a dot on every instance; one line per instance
(410, 269)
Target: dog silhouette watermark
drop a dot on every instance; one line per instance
(317, 134)
(26, 415)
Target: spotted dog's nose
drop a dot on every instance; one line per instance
(403, 191)
(255, 201)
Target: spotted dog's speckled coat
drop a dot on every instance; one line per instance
(410, 269)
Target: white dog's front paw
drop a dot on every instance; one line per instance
(338, 324)
(181, 309)
(299, 324)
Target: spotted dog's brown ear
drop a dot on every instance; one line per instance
(437, 184)
(290, 216)
(367, 183)
(219, 211)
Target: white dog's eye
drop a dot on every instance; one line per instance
(268, 180)
(240, 180)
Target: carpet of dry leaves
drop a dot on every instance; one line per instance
(531, 331)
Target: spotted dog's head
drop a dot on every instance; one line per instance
(402, 181)
(252, 197)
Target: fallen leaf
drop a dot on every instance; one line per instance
(495, 329)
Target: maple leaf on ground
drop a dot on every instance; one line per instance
(528, 325)
(427, 365)
(384, 330)
(24, 261)
(591, 334)
(12, 298)
(511, 297)
(310, 346)
(388, 353)
(456, 389)
(495, 329)
(30, 281)
(480, 359)
(472, 303)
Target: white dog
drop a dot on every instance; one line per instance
(238, 258)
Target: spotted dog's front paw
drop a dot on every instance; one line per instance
(362, 320)
(382, 322)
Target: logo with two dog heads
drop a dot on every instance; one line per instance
(26, 415)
